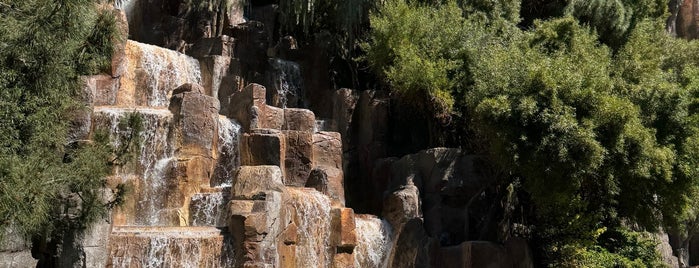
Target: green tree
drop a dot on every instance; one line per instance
(48, 182)
(601, 129)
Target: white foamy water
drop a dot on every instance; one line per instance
(156, 247)
(287, 80)
(374, 242)
(154, 159)
(153, 72)
(312, 218)
(229, 132)
(209, 209)
(322, 125)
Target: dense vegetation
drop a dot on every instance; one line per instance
(594, 111)
(50, 180)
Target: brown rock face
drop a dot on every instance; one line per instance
(484, 254)
(220, 46)
(102, 89)
(298, 158)
(343, 236)
(328, 181)
(248, 107)
(327, 149)
(263, 147)
(118, 66)
(687, 24)
(214, 74)
(196, 120)
(252, 182)
(401, 206)
(411, 248)
(255, 232)
(343, 260)
(446, 179)
(299, 119)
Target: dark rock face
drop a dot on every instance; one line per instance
(174, 24)
(428, 203)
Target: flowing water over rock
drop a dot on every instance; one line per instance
(228, 152)
(209, 209)
(152, 73)
(169, 247)
(311, 213)
(148, 176)
(286, 84)
(374, 242)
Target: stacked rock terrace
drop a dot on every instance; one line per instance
(285, 201)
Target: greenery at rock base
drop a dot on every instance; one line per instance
(49, 183)
(594, 111)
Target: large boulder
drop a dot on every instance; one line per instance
(447, 179)
(411, 249)
(299, 120)
(220, 46)
(253, 182)
(263, 147)
(344, 236)
(152, 73)
(298, 157)
(327, 149)
(249, 109)
(215, 74)
(15, 251)
(196, 120)
(329, 181)
(401, 206)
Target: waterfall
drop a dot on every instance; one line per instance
(228, 152)
(126, 5)
(209, 209)
(286, 84)
(322, 125)
(149, 174)
(169, 247)
(153, 72)
(312, 216)
(374, 242)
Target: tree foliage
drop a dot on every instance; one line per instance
(595, 112)
(48, 182)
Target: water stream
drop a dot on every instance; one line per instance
(149, 174)
(374, 242)
(312, 216)
(286, 84)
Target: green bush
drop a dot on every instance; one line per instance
(596, 114)
(44, 48)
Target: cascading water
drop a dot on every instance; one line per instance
(209, 209)
(374, 242)
(153, 72)
(322, 125)
(312, 216)
(169, 247)
(228, 152)
(286, 84)
(149, 174)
